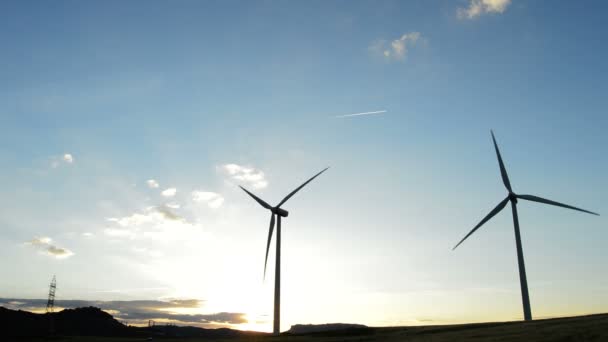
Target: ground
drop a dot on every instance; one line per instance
(583, 328)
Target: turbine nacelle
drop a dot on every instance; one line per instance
(513, 197)
(277, 210)
(280, 212)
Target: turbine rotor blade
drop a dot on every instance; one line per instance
(270, 230)
(257, 199)
(300, 187)
(503, 170)
(546, 201)
(494, 211)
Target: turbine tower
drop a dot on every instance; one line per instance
(278, 212)
(513, 197)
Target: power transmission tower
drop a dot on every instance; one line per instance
(50, 305)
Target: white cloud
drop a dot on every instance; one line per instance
(135, 219)
(216, 203)
(149, 215)
(159, 223)
(120, 233)
(45, 245)
(173, 205)
(398, 49)
(170, 192)
(66, 158)
(41, 241)
(147, 252)
(59, 252)
(244, 174)
(168, 214)
(212, 199)
(479, 7)
(152, 184)
(199, 196)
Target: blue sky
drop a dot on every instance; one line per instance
(204, 96)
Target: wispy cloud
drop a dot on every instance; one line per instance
(245, 174)
(45, 244)
(167, 213)
(157, 222)
(173, 205)
(359, 114)
(397, 49)
(147, 252)
(477, 8)
(152, 184)
(212, 199)
(170, 192)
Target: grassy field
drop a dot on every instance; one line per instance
(583, 328)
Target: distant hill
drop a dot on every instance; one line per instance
(91, 321)
(300, 329)
(177, 331)
(588, 328)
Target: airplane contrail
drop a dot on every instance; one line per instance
(358, 114)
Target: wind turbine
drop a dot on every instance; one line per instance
(513, 197)
(278, 212)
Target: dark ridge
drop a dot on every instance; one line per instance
(88, 321)
(177, 331)
(91, 321)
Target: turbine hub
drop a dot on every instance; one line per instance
(280, 212)
(513, 197)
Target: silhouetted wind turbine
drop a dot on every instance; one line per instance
(520, 254)
(278, 212)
